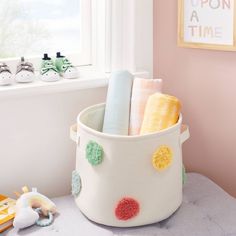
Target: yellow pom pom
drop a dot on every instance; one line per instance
(162, 158)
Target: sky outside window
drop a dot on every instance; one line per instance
(34, 27)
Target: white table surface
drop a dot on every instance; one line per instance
(206, 210)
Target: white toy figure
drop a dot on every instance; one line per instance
(29, 206)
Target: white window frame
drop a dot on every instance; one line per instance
(85, 57)
(82, 58)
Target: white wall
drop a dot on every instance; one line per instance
(35, 149)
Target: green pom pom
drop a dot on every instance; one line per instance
(76, 183)
(94, 153)
(184, 176)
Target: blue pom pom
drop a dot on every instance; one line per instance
(76, 183)
(184, 176)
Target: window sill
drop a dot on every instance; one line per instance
(87, 80)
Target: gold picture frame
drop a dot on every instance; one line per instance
(211, 46)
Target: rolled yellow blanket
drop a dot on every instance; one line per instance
(161, 112)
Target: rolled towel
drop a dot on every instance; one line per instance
(161, 112)
(116, 118)
(142, 89)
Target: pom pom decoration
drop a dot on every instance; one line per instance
(76, 183)
(94, 153)
(162, 158)
(126, 209)
(184, 176)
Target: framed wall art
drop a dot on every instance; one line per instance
(209, 24)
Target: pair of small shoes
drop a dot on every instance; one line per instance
(24, 73)
(52, 70)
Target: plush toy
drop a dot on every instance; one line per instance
(30, 206)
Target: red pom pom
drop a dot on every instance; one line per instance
(126, 209)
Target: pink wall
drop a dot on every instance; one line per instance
(205, 81)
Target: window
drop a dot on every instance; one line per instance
(107, 34)
(32, 27)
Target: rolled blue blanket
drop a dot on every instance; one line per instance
(117, 111)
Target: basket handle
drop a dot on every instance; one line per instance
(74, 134)
(184, 134)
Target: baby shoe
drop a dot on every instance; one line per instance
(6, 76)
(24, 72)
(48, 72)
(65, 68)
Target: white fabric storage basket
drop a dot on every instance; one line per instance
(125, 189)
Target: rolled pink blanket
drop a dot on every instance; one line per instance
(142, 89)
